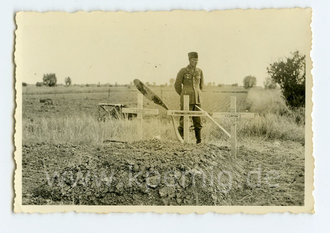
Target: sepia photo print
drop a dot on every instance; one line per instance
(164, 111)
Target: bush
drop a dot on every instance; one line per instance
(249, 82)
(270, 101)
(290, 75)
(49, 80)
(269, 83)
(67, 81)
(266, 101)
(272, 126)
(39, 84)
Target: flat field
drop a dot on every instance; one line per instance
(83, 100)
(66, 150)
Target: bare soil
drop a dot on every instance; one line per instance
(157, 172)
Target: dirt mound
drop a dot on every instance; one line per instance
(152, 173)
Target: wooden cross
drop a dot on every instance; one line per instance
(140, 111)
(186, 114)
(234, 116)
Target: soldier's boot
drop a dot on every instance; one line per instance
(198, 135)
(180, 129)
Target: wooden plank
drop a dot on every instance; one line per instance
(140, 116)
(233, 137)
(238, 115)
(214, 121)
(186, 119)
(183, 113)
(102, 107)
(142, 111)
(99, 110)
(110, 104)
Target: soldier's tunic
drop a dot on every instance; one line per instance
(190, 81)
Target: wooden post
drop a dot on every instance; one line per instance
(186, 114)
(233, 138)
(139, 116)
(99, 112)
(186, 119)
(234, 116)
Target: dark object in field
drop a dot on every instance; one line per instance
(149, 94)
(113, 111)
(39, 84)
(111, 141)
(46, 101)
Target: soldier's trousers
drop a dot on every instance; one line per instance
(196, 120)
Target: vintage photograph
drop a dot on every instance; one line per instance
(164, 111)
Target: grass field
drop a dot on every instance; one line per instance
(82, 99)
(273, 139)
(73, 114)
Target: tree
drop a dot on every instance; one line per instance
(249, 81)
(49, 80)
(67, 81)
(290, 74)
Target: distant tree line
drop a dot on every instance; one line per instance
(50, 80)
(289, 74)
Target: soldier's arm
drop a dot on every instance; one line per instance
(178, 82)
(201, 85)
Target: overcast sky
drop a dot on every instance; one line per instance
(118, 47)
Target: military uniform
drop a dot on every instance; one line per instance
(190, 81)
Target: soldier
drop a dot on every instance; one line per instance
(190, 81)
